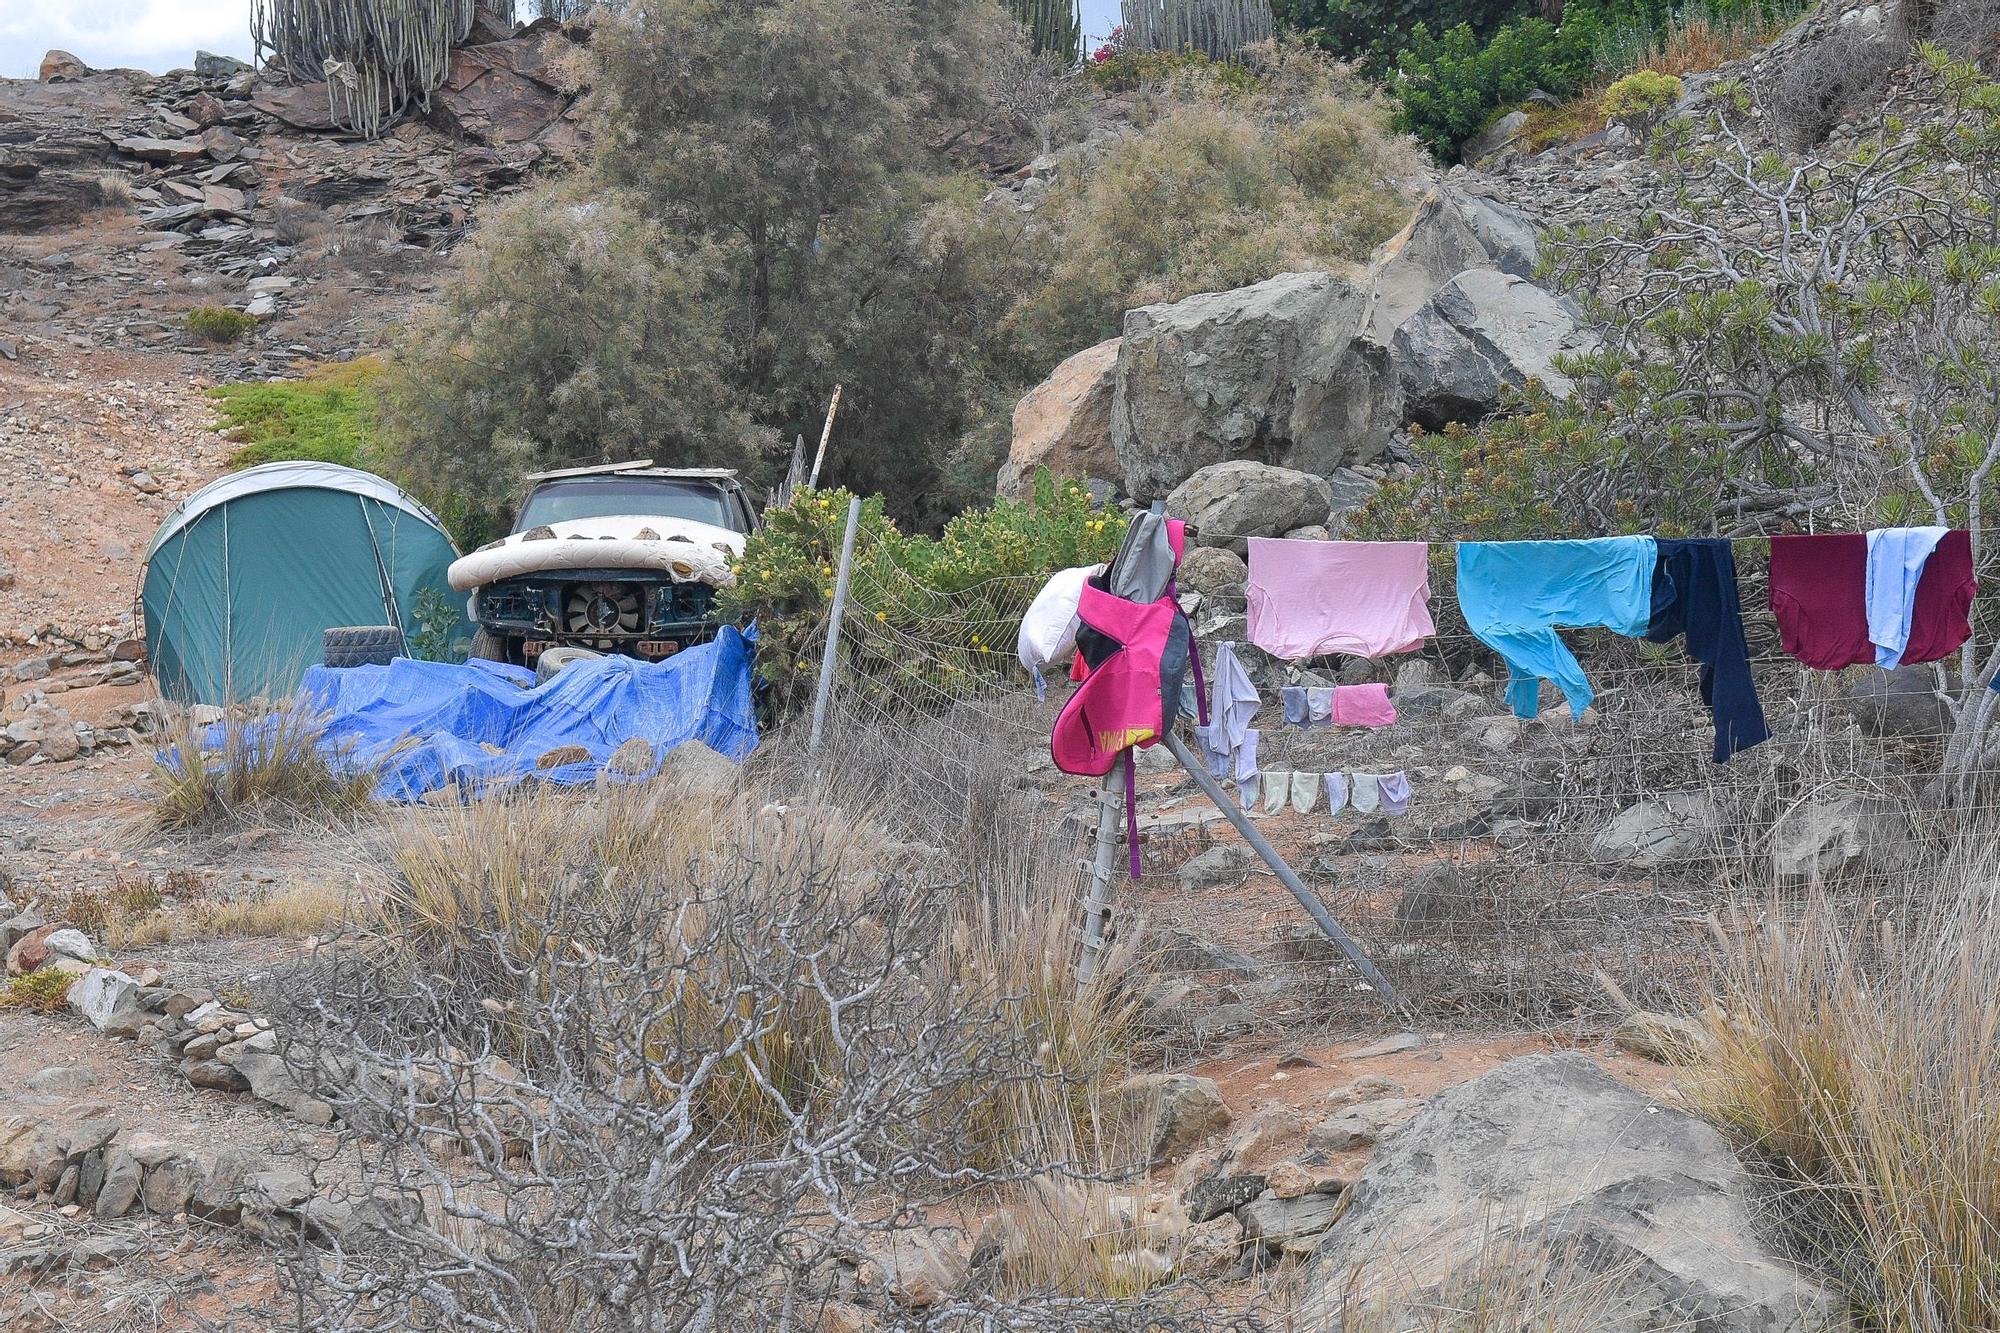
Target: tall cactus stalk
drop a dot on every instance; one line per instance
(1053, 25)
(377, 56)
(1219, 29)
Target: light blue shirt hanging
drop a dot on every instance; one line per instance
(1515, 594)
(1896, 558)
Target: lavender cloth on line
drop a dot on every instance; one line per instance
(1896, 558)
(1310, 598)
(1294, 699)
(1394, 789)
(1336, 793)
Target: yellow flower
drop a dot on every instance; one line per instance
(881, 615)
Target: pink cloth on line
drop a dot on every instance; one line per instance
(1363, 706)
(1370, 599)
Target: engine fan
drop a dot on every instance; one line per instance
(602, 609)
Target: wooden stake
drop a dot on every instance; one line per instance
(832, 410)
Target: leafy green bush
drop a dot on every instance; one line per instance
(219, 324)
(1450, 87)
(329, 416)
(924, 614)
(1638, 100)
(1557, 467)
(1374, 31)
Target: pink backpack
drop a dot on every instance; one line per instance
(1118, 704)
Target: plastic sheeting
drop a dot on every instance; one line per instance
(433, 725)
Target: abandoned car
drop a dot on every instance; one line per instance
(620, 558)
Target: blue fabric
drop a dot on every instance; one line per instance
(1515, 594)
(1694, 593)
(448, 715)
(1896, 559)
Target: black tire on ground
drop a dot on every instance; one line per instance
(362, 645)
(487, 647)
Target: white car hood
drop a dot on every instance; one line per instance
(684, 550)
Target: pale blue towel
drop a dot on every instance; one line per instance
(1896, 559)
(1515, 594)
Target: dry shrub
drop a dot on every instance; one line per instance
(257, 765)
(1807, 93)
(1860, 1051)
(641, 1021)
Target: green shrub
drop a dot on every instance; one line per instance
(331, 415)
(1552, 467)
(1640, 99)
(924, 614)
(1451, 87)
(1375, 31)
(219, 324)
(41, 992)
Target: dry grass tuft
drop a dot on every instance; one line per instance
(1520, 1285)
(1861, 1052)
(253, 767)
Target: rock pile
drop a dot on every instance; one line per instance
(34, 730)
(100, 1166)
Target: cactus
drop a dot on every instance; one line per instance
(1053, 25)
(376, 56)
(1218, 29)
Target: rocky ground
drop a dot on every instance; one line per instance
(1534, 857)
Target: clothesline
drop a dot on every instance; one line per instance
(1209, 536)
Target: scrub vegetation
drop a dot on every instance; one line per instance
(328, 415)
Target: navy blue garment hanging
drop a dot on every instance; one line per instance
(1694, 593)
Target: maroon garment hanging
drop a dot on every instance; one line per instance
(1941, 618)
(1819, 589)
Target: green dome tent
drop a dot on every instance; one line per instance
(248, 573)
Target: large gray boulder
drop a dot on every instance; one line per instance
(1449, 233)
(1064, 424)
(1483, 332)
(1269, 372)
(1226, 502)
(1549, 1153)
(1823, 838)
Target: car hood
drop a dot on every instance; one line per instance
(683, 550)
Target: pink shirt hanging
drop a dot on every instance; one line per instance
(1369, 599)
(1363, 706)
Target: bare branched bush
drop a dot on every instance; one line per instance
(634, 1060)
(1808, 93)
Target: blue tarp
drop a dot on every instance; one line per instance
(447, 716)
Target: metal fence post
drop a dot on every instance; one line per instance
(833, 626)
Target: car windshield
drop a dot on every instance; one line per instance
(598, 497)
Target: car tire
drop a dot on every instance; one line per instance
(553, 660)
(362, 645)
(487, 647)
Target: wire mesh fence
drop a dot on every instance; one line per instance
(1537, 859)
